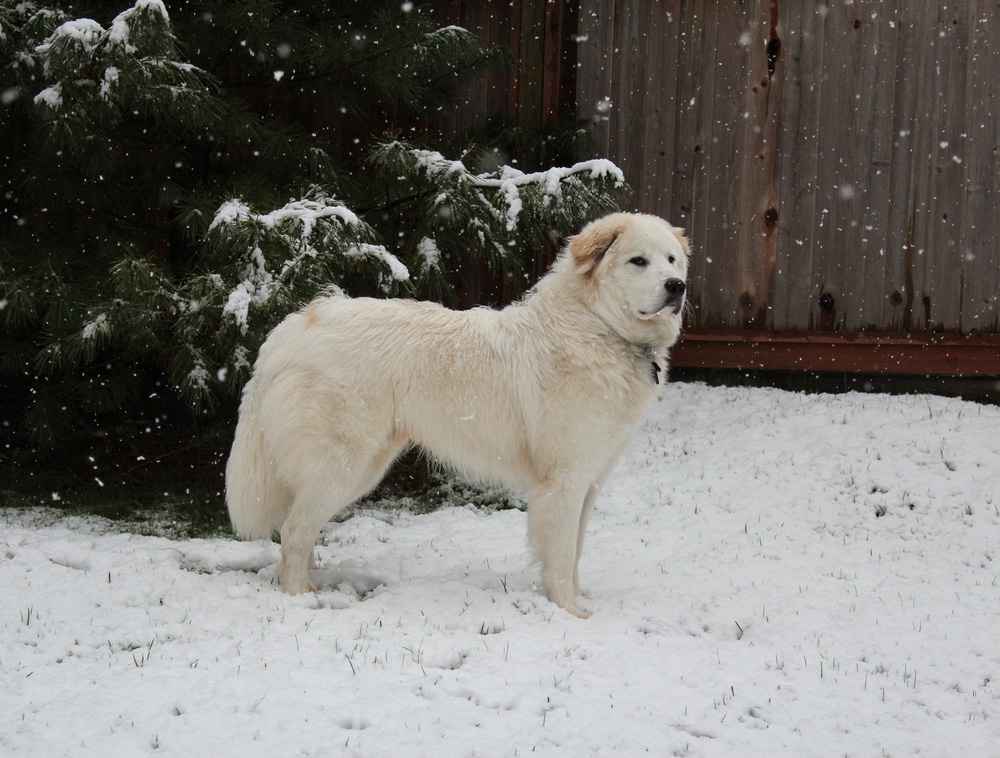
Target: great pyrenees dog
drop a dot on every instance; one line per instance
(542, 396)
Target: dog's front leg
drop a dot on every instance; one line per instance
(588, 507)
(554, 519)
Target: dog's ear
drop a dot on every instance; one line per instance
(682, 238)
(590, 245)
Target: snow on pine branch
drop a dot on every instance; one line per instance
(257, 287)
(83, 33)
(512, 186)
(85, 36)
(123, 30)
(304, 233)
(305, 211)
(131, 60)
(396, 267)
(434, 163)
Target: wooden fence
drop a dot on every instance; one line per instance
(835, 163)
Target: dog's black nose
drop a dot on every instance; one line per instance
(675, 287)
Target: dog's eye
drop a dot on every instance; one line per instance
(639, 261)
(672, 259)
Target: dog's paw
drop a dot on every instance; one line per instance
(561, 594)
(569, 605)
(576, 611)
(298, 588)
(295, 582)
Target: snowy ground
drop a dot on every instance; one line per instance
(770, 574)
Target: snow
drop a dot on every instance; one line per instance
(307, 213)
(84, 31)
(108, 82)
(435, 163)
(429, 252)
(397, 269)
(512, 179)
(98, 327)
(120, 31)
(447, 31)
(198, 377)
(256, 288)
(50, 97)
(508, 186)
(229, 213)
(304, 213)
(770, 574)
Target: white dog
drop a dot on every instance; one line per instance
(541, 396)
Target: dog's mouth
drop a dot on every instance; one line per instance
(671, 307)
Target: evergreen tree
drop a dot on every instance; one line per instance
(165, 205)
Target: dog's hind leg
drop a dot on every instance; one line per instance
(309, 511)
(555, 512)
(334, 485)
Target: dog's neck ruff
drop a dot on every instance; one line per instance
(647, 354)
(642, 352)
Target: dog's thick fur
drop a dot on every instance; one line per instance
(541, 396)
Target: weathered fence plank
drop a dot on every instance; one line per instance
(845, 273)
(757, 215)
(794, 288)
(685, 153)
(945, 90)
(875, 115)
(717, 197)
(904, 230)
(660, 123)
(629, 89)
(597, 68)
(981, 160)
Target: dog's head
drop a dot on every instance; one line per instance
(638, 265)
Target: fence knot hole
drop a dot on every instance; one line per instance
(771, 218)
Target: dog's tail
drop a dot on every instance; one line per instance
(256, 498)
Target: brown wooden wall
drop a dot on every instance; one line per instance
(542, 36)
(836, 164)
